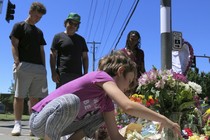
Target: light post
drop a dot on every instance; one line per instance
(166, 36)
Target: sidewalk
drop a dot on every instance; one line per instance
(6, 128)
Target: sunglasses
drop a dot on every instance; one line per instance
(75, 24)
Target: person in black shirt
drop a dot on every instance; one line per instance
(69, 53)
(29, 63)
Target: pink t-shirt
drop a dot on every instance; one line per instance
(92, 97)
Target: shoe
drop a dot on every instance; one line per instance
(16, 130)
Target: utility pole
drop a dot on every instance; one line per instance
(166, 35)
(1, 5)
(94, 46)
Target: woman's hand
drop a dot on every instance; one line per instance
(175, 127)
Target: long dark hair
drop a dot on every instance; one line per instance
(138, 45)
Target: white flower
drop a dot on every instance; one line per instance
(196, 87)
(171, 90)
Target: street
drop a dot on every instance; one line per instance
(6, 128)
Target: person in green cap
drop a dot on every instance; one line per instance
(69, 53)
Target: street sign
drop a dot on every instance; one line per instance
(177, 40)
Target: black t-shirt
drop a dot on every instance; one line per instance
(70, 49)
(30, 39)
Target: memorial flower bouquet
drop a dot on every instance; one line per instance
(148, 129)
(124, 119)
(164, 91)
(172, 91)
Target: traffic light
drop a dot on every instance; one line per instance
(193, 65)
(10, 11)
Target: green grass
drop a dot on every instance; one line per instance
(10, 117)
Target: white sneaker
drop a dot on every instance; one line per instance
(65, 137)
(16, 130)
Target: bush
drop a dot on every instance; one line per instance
(203, 79)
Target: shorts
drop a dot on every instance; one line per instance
(30, 80)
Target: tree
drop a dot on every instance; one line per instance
(203, 79)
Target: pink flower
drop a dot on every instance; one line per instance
(180, 77)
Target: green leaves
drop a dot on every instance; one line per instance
(186, 105)
(202, 78)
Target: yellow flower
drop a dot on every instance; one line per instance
(142, 96)
(150, 97)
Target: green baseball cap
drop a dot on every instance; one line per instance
(74, 16)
